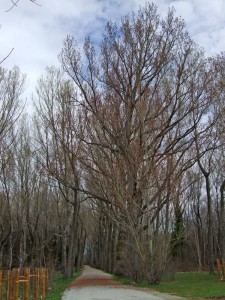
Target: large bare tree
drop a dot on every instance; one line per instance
(140, 98)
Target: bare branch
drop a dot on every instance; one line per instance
(6, 56)
(15, 3)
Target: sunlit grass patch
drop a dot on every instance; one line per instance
(199, 285)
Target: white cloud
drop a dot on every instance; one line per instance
(37, 33)
(205, 20)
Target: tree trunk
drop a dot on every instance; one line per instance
(210, 225)
(222, 217)
(64, 256)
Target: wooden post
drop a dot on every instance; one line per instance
(39, 281)
(36, 283)
(16, 284)
(42, 282)
(1, 284)
(46, 281)
(7, 284)
(26, 283)
(10, 285)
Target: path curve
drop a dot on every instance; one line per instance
(94, 284)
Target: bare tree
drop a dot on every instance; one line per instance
(137, 99)
(59, 149)
(11, 88)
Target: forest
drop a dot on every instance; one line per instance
(121, 164)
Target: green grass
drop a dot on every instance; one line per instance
(60, 286)
(193, 285)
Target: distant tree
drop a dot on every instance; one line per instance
(207, 143)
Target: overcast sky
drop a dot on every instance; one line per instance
(37, 32)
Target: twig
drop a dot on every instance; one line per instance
(14, 3)
(6, 56)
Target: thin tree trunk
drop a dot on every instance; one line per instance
(222, 217)
(64, 256)
(210, 226)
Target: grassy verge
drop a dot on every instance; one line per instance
(193, 285)
(60, 286)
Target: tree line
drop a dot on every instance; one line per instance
(123, 162)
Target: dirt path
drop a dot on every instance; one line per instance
(94, 277)
(94, 284)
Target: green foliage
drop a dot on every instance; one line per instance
(177, 238)
(59, 286)
(199, 285)
(194, 285)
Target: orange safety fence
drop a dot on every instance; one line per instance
(26, 284)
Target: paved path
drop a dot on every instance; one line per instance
(94, 284)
